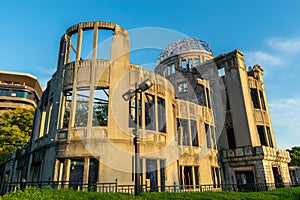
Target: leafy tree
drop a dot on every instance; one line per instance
(295, 156)
(100, 115)
(15, 129)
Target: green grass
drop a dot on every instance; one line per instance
(49, 193)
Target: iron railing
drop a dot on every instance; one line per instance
(113, 187)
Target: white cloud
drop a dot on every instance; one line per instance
(289, 46)
(263, 58)
(285, 115)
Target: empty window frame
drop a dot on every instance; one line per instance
(161, 111)
(100, 106)
(196, 61)
(208, 97)
(200, 93)
(189, 175)
(270, 137)
(66, 113)
(230, 138)
(213, 137)
(194, 132)
(262, 135)
(208, 136)
(172, 68)
(190, 63)
(262, 100)
(215, 174)
(179, 138)
(162, 175)
(48, 117)
(82, 107)
(167, 70)
(254, 96)
(185, 132)
(150, 115)
(183, 64)
(182, 87)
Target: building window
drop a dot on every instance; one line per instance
(196, 61)
(182, 87)
(254, 96)
(262, 135)
(173, 68)
(93, 171)
(167, 70)
(208, 136)
(82, 107)
(151, 174)
(179, 140)
(269, 137)
(162, 175)
(48, 117)
(21, 94)
(76, 173)
(194, 133)
(185, 132)
(161, 111)
(4, 92)
(190, 63)
(215, 174)
(200, 92)
(189, 175)
(208, 98)
(183, 64)
(66, 109)
(100, 107)
(150, 117)
(231, 138)
(262, 99)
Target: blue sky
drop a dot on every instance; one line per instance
(267, 32)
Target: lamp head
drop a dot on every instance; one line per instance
(145, 85)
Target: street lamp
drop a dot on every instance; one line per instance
(143, 86)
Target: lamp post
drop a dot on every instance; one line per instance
(140, 88)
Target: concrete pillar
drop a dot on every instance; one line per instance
(56, 170)
(100, 170)
(182, 174)
(158, 173)
(67, 165)
(86, 173)
(144, 169)
(95, 41)
(193, 177)
(79, 42)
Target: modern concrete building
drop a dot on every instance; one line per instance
(18, 90)
(204, 121)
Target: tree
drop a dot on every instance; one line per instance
(295, 156)
(15, 129)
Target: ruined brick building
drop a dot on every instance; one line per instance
(204, 121)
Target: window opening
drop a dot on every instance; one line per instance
(100, 107)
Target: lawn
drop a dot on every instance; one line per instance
(49, 193)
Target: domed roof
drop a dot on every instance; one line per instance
(184, 45)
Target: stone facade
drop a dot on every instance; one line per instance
(84, 128)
